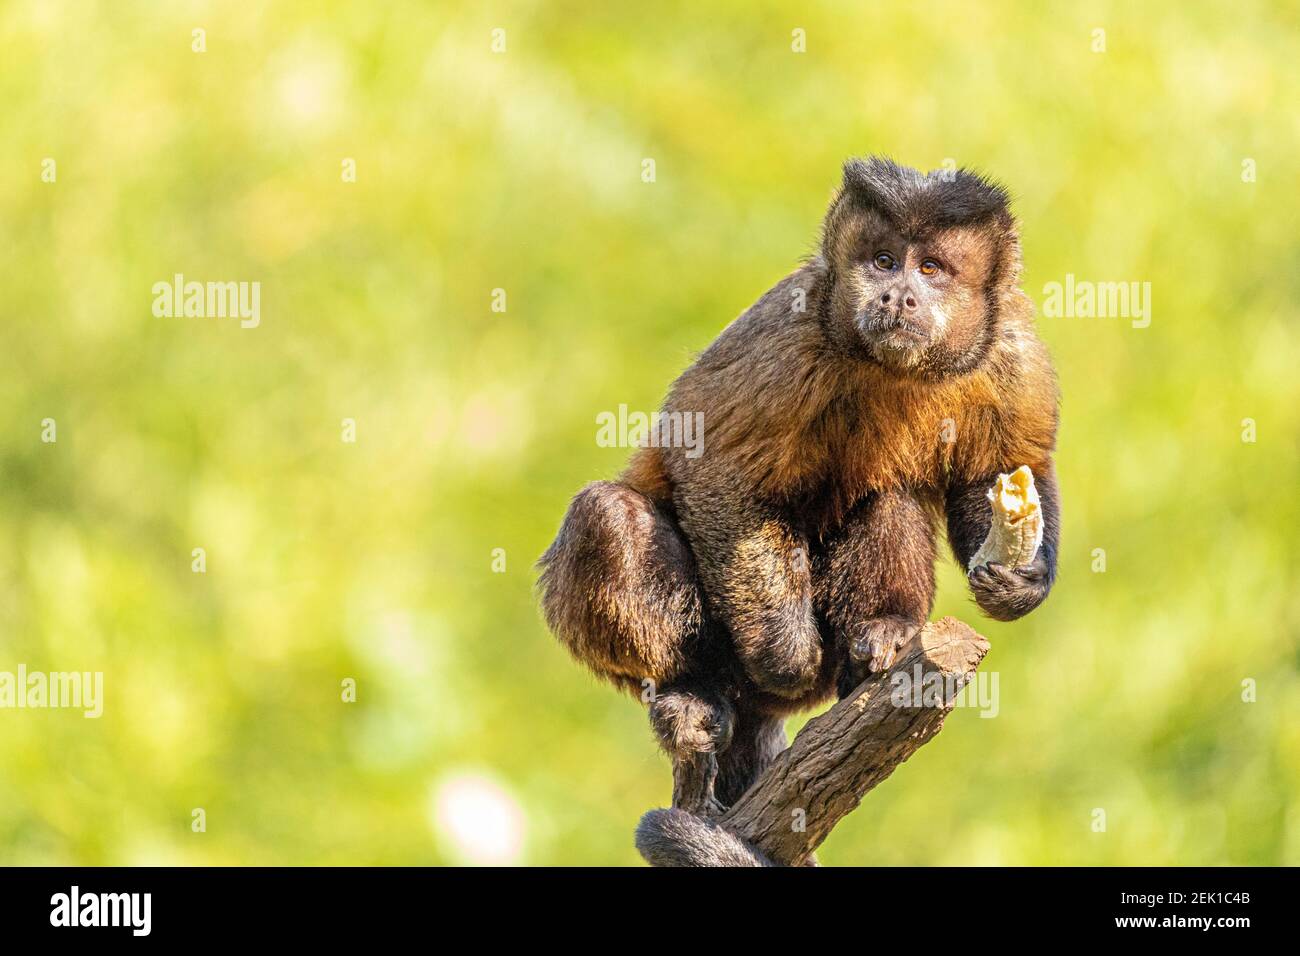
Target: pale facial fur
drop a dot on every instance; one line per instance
(915, 302)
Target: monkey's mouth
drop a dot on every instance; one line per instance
(892, 332)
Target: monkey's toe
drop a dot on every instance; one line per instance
(878, 642)
(708, 807)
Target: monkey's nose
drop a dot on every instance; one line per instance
(906, 300)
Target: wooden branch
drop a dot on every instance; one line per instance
(834, 761)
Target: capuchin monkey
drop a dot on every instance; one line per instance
(872, 394)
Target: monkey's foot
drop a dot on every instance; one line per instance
(877, 643)
(689, 723)
(693, 729)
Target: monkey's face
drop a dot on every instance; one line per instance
(920, 264)
(917, 303)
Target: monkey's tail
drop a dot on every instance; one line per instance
(679, 838)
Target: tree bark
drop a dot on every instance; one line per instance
(834, 761)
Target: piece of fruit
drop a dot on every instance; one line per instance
(1017, 528)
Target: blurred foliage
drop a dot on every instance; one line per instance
(521, 170)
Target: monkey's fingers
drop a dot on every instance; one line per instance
(1033, 572)
(1005, 594)
(995, 578)
(1018, 577)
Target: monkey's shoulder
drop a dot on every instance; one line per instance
(776, 335)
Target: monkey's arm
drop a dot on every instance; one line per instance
(1004, 593)
(755, 569)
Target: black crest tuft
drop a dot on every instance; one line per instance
(916, 202)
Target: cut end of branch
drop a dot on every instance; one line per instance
(951, 646)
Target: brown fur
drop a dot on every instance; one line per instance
(797, 552)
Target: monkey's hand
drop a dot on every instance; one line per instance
(876, 644)
(1006, 594)
(1003, 592)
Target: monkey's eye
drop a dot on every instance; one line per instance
(929, 267)
(884, 261)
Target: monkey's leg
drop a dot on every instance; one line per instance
(875, 582)
(757, 576)
(694, 727)
(754, 745)
(619, 588)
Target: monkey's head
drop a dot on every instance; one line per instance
(920, 264)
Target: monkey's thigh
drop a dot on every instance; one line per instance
(619, 586)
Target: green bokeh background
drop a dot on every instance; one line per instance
(521, 170)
